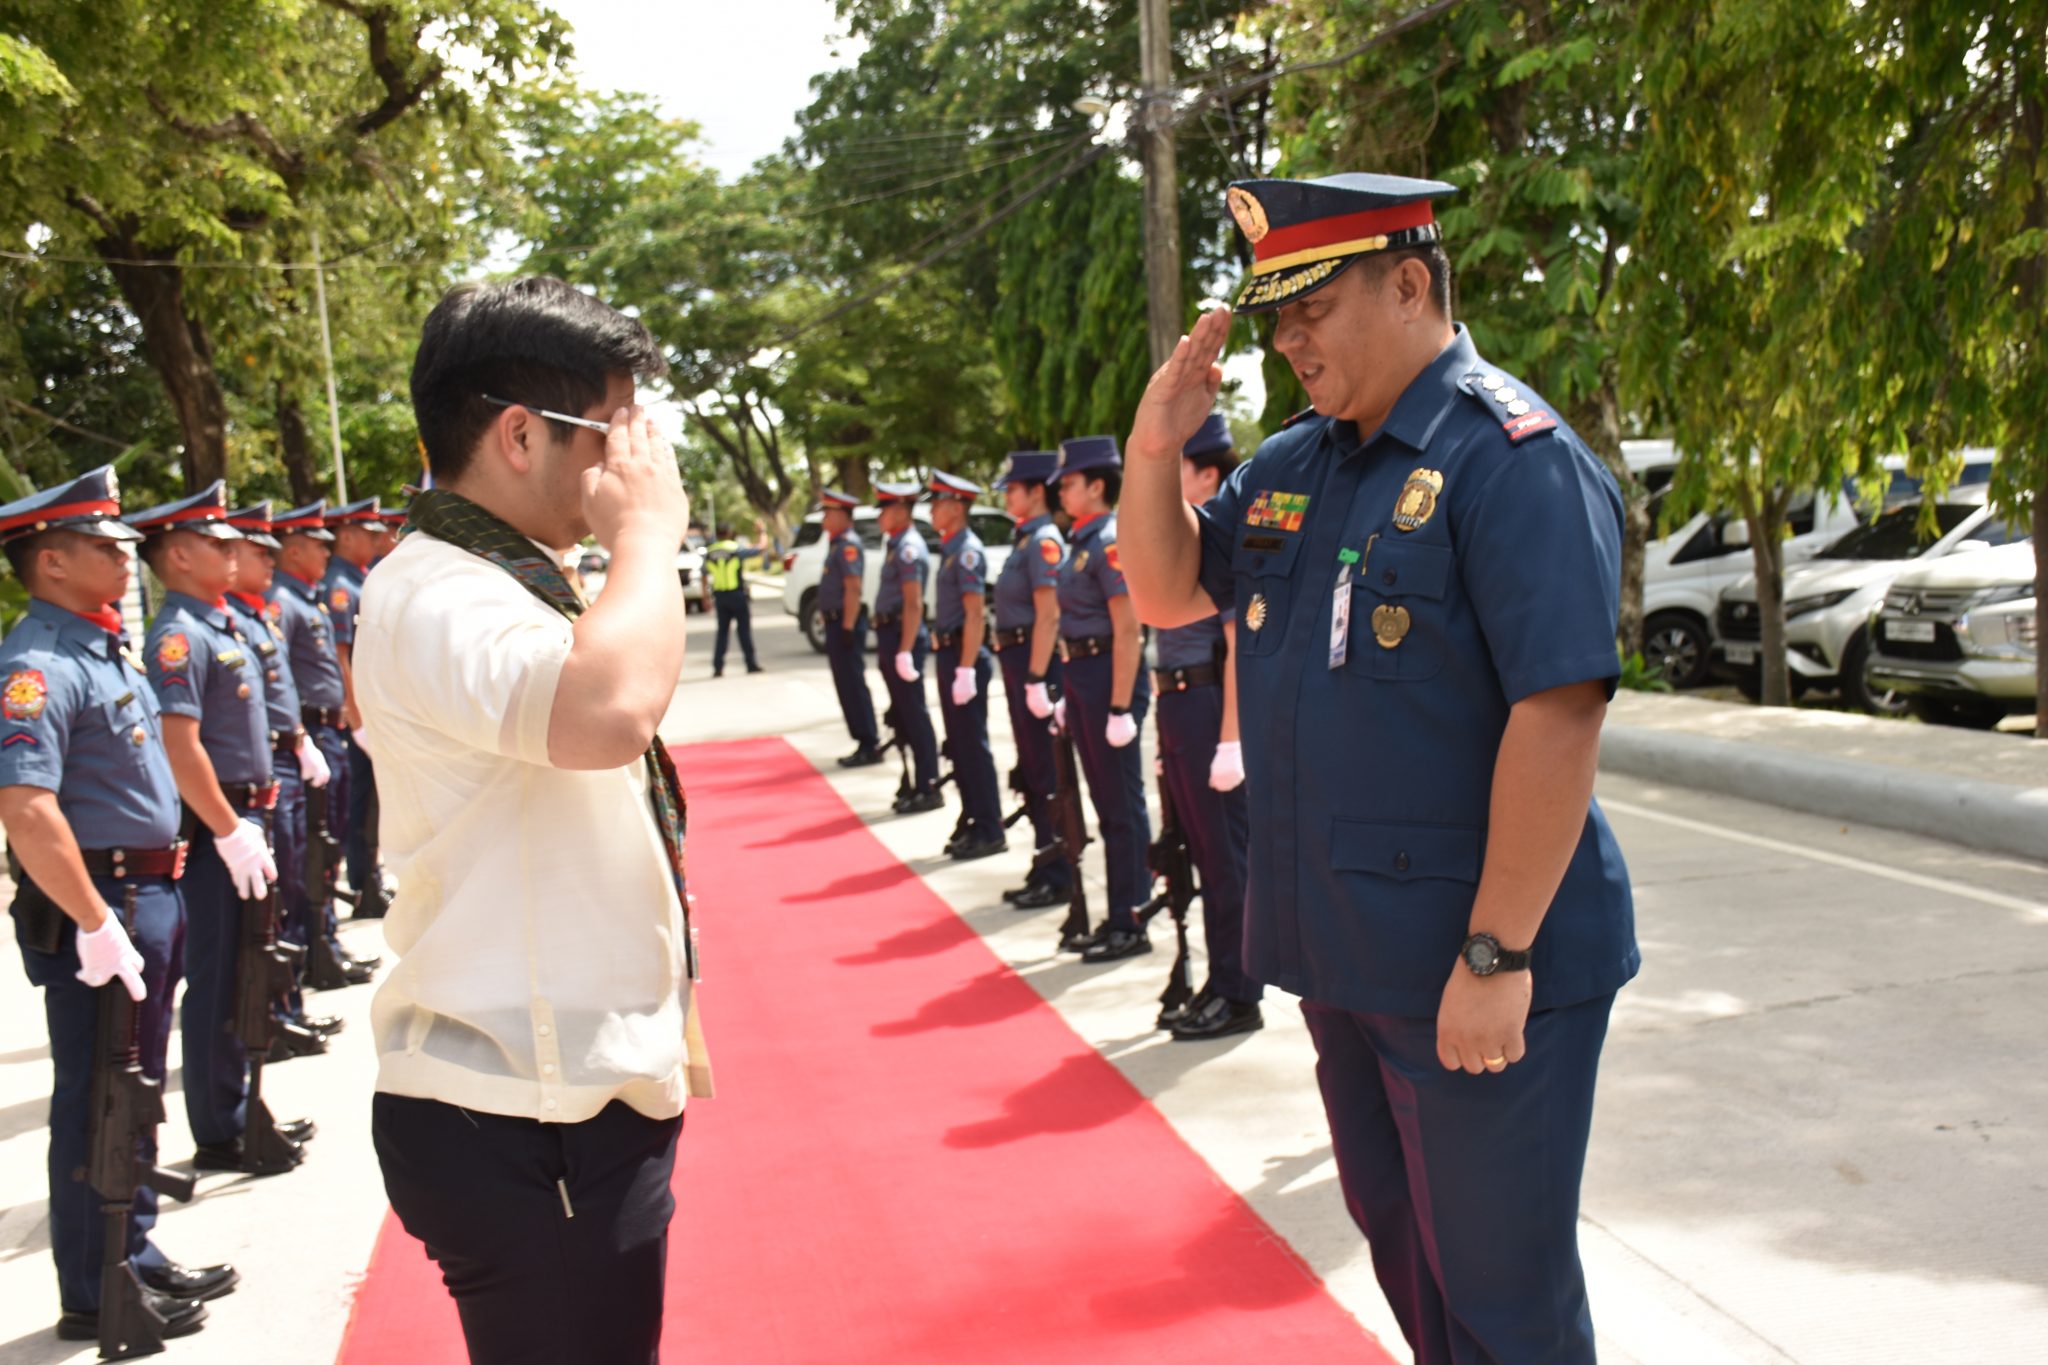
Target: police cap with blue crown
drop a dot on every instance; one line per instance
(89, 505)
(254, 523)
(1213, 439)
(309, 521)
(1088, 453)
(832, 497)
(204, 513)
(944, 485)
(886, 493)
(1029, 466)
(1304, 233)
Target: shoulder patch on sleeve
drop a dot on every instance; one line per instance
(850, 553)
(970, 560)
(173, 651)
(908, 554)
(1049, 551)
(338, 599)
(1115, 563)
(25, 694)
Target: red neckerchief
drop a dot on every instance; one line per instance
(253, 601)
(1080, 522)
(220, 604)
(307, 581)
(107, 618)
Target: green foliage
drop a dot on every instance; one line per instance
(1638, 676)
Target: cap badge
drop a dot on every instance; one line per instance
(1390, 625)
(1255, 613)
(1417, 503)
(1251, 217)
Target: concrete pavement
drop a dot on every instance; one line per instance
(1818, 1137)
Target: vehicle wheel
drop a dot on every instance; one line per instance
(1857, 689)
(1675, 648)
(1964, 715)
(813, 620)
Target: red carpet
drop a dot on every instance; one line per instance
(912, 1158)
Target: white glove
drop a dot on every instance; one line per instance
(964, 684)
(906, 667)
(355, 737)
(106, 953)
(250, 866)
(1122, 729)
(1226, 770)
(312, 763)
(1059, 716)
(1037, 700)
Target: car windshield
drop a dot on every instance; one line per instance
(1897, 534)
(808, 533)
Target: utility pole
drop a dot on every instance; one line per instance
(1162, 207)
(327, 355)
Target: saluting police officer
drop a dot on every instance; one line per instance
(901, 641)
(1424, 574)
(217, 731)
(91, 813)
(1107, 692)
(1026, 643)
(1202, 761)
(840, 586)
(299, 608)
(294, 760)
(960, 642)
(360, 538)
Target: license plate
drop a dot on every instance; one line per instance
(1743, 654)
(1910, 632)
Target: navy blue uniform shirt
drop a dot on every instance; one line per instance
(1090, 575)
(909, 561)
(200, 667)
(963, 573)
(1192, 645)
(280, 691)
(299, 610)
(1479, 544)
(78, 718)
(844, 559)
(1033, 564)
(342, 590)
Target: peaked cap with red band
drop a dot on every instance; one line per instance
(309, 521)
(89, 504)
(254, 523)
(363, 513)
(204, 513)
(886, 493)
(1304, 233)
(832, 497)
(944, 485)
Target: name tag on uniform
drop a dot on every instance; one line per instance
(1340, 610)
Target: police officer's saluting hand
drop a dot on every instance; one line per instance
(1424, 573)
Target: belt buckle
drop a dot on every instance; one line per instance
(1180, 680)
(267, 798)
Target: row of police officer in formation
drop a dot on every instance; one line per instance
(155, 796)
(1067, 640)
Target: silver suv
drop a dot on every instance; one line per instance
(1957, 638)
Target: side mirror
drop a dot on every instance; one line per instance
(1965, 546)
(1735, 534)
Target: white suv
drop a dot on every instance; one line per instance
(1958, 637)
(803, 565)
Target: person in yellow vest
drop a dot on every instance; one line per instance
(723, 563)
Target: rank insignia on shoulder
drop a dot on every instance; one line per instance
(173, 651)
(25, 694)
(1049, 551)
(1301, 416)
(1275, 511)
(1417, 503)
(20, 737)
(1255, 613)
(1522, 427)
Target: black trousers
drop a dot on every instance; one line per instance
(733, 609)
(552, 1237)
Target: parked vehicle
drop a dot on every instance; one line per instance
(804, 563)
(1957, 637)
(1830, 598)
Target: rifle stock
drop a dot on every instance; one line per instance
(1172, 861)
(127, 1107)
(1072, 836)
(263, 974)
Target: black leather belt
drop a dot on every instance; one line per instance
(330, 716)
(122, 862)
(1181, 679)
(250, 795)
(1086, 646)
(946, 639)
(1010, 639)
(285, 745)
(889, 620)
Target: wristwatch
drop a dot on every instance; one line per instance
(1484, 955)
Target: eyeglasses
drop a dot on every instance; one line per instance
(557, 416)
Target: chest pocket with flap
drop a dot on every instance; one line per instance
(1400, 594)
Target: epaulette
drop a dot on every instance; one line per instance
(1304, 414)
(1516, 412)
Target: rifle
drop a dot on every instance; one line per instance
(1023, 790)
(906, 783)
(1071, 838)
(1170, 859)
(127, 1106)
(263, 973)
(323, 853)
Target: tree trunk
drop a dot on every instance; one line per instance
(179, 352)
(1605, 438)
(2041, 608)
(295, 445)
(1767, 551)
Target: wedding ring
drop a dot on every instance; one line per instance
(1493, 1061)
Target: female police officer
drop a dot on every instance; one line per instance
(1424, 572)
